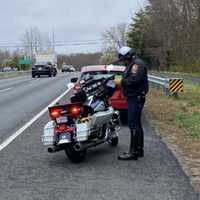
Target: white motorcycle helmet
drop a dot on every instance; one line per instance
(125, 53)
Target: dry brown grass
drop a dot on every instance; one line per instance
(163, 113)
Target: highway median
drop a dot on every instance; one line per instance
(4, 75)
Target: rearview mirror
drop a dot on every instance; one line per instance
(74, 80)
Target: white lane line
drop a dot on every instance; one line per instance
(29, 123)
(6, 89)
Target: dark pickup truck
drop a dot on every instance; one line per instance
(43, 69)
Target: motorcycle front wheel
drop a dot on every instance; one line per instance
(73, 155)
(114, 141)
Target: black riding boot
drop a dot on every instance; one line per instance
(133, 153)
(141, 143)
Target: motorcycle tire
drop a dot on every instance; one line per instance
(75, 156)
(114, 141)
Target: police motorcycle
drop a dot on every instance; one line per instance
(89, 120)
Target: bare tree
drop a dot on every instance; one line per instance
(34, 41)
(3, 56)
(107, 58)
(115, 37)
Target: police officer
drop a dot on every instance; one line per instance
(135, 87)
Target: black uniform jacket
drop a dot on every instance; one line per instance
(135, 81)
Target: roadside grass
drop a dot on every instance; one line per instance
(183, 112)
(191, 122)
(174, 72)
(177, 121)
(188, 117)
(195, 74)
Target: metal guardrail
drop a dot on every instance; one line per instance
(170, 86)
(14, 73)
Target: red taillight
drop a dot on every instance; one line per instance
(55, 113)
(75, 110)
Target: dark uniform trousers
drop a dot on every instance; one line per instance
(135, 107)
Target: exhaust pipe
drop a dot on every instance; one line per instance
(54, 149)
(94, 144)
(50, 150)
(80, 147)
(77, 147)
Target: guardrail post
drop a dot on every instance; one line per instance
(166, 88)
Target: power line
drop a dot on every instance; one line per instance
(75, 43)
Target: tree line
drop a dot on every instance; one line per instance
(80, 59)
(166, 33)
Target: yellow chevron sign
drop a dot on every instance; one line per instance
(176, 85)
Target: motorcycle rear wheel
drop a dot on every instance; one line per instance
(75, 156)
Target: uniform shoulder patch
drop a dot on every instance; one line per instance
(134, 68)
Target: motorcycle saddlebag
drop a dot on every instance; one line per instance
(48, 137)
(103, 117)
(83, 131)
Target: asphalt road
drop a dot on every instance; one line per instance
(28, 172)
(23, 97)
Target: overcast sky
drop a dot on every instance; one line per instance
(72, 20)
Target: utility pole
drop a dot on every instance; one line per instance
(139, 4)
(53, 37)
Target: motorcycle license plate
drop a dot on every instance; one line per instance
(61, 120)
(65, 138)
